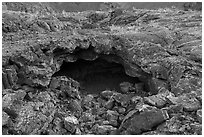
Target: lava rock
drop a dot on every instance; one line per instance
(107, 94)
(5, 81)
(199, 115)
(153, 133)
(73, 90)
(158, 100)
(174, 109)
(68, 86)
(12, 75)
(196, 128)
(178, 124)
(29, 121)
(8, 99)
(70, 123)
(75, 107)
(78, 132)
(126, 87)
(101, 111)
(144, 121)
(110, 103)
(72, 119)
(155, 85)
(188, 101)
(103, 129)
(136, 99)
(112, 117)
(54, 83)
(87, 117)
(101, 101)
(121, 110)
(186, 85)
(121, 118)
(5, 118)
(122, 99)
(87, 101)
(44, 96)
(139, 87)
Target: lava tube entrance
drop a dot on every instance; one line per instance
(97, 75)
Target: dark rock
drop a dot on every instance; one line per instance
(192, 6)
(174, 109)
(158, 100)
(44, 25)
(102, 130)
(196, 128)
(54, 83)
(186, 85)
(69, 86)
(101, 101)
(70, 123)
(121, 110)
(11, 75)
(178, 124)
(121, 118)
(7, 91)
(28, 88)
(24, 124)
(199, 115)
(9, 99)
(115, 13)
(78, 132)
(5, 118)
(5, 131)
(107, 94)
(188, 101)
(112, 117)
(126, 87)
(101, 111)
(136, 99)
(171, 126)
(44, 97)
(87, 117)
(197, 94)
(75, 107)
(139, 87)
(95, 17)
(122, 99)
(87, 101)
(74, 93)
(109, 104)
(144, 121)
(126, 19)
(153, 133)
(155, 85)
(5, 81)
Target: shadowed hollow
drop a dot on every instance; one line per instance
(96, 76)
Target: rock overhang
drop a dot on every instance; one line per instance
(141, 58)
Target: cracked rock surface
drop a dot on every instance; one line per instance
(102, 73)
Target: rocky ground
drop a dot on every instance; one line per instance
(154, 55)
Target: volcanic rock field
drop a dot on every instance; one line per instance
(101, 72)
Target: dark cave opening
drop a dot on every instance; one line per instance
(97, 75)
